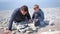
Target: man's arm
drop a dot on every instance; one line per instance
(11, 20)
(32, 16)
(28, 16)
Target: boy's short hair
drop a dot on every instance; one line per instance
(36, 6)
(24, 8)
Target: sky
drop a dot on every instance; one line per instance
(12, 4)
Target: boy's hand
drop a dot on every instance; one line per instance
(30, 21)
(35, 20)
(7, 32)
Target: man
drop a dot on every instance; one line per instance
(38, 16)
(19, 16)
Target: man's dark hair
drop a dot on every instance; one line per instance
(24, 8)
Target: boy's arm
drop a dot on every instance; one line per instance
(41, 15)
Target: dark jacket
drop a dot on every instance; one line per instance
(38, 15)
(18, 17)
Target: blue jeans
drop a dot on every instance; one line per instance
(40, 22)
(37, 23)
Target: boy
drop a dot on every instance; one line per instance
(38, 16)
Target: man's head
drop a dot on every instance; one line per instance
(36, 7)
(24, 10)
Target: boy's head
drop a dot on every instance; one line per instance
(24, 10)
(36, 7)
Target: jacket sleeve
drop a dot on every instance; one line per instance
(28, 16)
(41, 15)
(11, 20)
(32, 16)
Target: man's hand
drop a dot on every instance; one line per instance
(7, 32)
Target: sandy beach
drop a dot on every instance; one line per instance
(51, 14)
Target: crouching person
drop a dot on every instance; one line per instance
(38, 16)
(20, 16)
